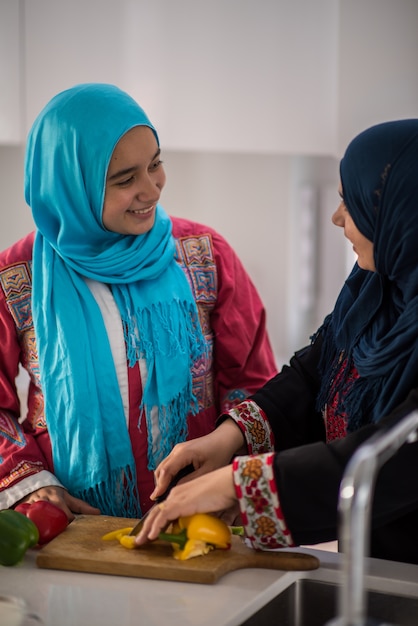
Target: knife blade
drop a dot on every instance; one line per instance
(188, 469)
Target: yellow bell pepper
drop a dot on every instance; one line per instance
(190, 536)
(196, 535)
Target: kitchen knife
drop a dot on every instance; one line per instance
(188, 469)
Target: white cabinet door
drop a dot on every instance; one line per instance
(257, 76)
(10, 73)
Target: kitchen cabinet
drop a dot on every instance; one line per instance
(11, 75)
(220, 76)
(253, 76)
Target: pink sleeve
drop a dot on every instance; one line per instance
(244, 358)
(20, 454)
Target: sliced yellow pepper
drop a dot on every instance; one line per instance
(117, 534)
(190, 536)
(123, 536)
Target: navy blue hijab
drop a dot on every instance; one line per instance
(375, 320)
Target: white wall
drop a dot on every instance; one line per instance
(11, 72)
(15, 216)
(378, 54)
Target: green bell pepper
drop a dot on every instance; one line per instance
(17, 534)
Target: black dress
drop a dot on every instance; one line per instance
(308, 470)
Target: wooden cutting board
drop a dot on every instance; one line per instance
(81, 548)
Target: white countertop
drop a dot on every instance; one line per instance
(62, 598)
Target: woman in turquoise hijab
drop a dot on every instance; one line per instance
(117, 282)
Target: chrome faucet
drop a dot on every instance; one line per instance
(355, 504)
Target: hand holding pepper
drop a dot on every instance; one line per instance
(211, 492)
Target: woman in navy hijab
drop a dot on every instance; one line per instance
(359, 374)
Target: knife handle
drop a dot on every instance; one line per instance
(181, 474)
(185, 471)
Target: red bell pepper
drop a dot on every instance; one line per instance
(49, 518)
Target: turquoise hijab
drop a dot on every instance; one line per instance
(375, 319)
(68, 152)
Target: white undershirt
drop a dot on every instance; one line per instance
(113, 324)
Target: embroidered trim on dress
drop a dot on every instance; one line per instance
(335, 417)
(259, 502)
(234, 397)
(254, 425)
(11, 430)
(196, 257)
(15, 281)
(21, 470)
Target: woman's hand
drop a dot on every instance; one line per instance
(210, 493)
(61, 498)
(205, 454)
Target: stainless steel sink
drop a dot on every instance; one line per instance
(313, 603)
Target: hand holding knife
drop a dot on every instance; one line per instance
(185, 471)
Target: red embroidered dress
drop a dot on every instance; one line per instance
(240, 358)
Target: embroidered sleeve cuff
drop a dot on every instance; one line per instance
(10, 496)
(259, 502)
(255, 426)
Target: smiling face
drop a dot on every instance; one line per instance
(135, 179)
(362, 246)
